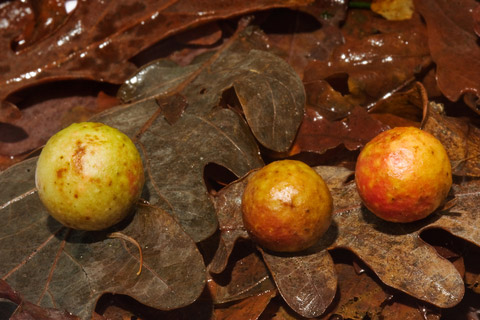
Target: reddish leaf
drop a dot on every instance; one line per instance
(476, 20)
(376, 64)
(98, 33)
(405, 108)
(453, 46)
(47, 109)
(250, 308)
(318, 134)
(305, 35)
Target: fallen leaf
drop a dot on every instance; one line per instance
(393, 9)
(97, 33)
(250, 308)
(376, 63)
(268, 89)
(230, 223)
(307, 34)
(405, 108)
(53, 265)
(318, 134)
(246, 276)
(394, 251)
(460, 138)
(453, 46)
(307, 283)
(359, 295)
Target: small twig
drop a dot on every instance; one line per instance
(119, 235)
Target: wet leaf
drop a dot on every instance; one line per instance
(404, 108)
(305, 35)
(57, 105)
(250, 308)
(318, 134)
(55, 266)
(96, 34)
(453, 45)
(377, 63)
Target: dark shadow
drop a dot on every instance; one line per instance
(6, 309)
(281, 21)
(394, 228)
(10, 133)
(84, 237)
(242, 249)
(339, 83)
(216, 177)
(59, 89)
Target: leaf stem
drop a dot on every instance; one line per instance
(119, 235)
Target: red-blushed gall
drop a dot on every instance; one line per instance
(89, 176)
(403, 174)
(286, 206)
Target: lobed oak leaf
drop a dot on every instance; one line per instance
(272, 98)
(52, 265)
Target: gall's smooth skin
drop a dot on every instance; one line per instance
(89, 176)
(403, 174)
(286, 206)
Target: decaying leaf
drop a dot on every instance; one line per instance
(453, 46)
(230, 223)
(377, 62)
(318, 134)
(246, 276)
(460, 138)
(272, 98)
(250, 308)
(359, 294)
(55, 266)
(307, 283)
(394, 251)
(83, 44)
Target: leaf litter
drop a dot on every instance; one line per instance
(183, 97)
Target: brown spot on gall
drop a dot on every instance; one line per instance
(78, 157)
(60, 172)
